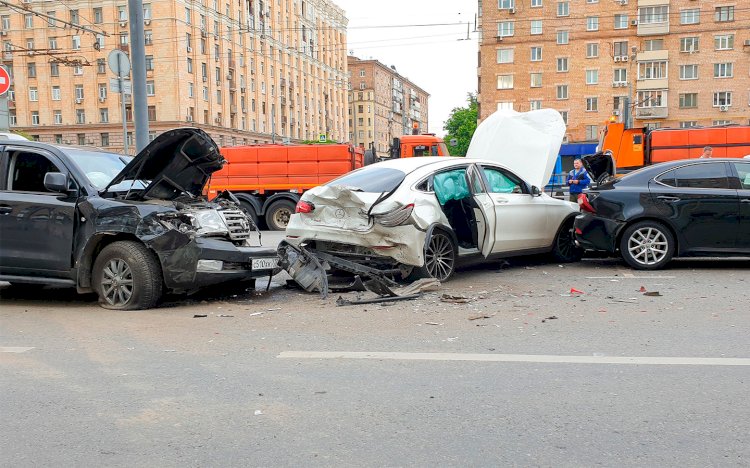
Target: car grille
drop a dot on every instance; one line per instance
(238, 224)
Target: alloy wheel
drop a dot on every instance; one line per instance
(648, 246)
(440, 257)
(117, 282)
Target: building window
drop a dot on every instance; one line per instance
(188, 16)
(80, 116)
(652, 70)
(31, 70)
(98, 16)
(149, 63)
(688, 124)
(650, 99)
(536, 3)
(148, 39)
(722, 98)
(653, 14)
(33, 94)
(504, 55)
(653, 44)
(562, 91)
(723, 70)
(122, 13)
(102, 91)
(724, 42)
(151, 113)
(620, 48)
(621, 21)
(506, 4)
(692, 16)
(54, 69)
(79, 92)
(78, 70)
(506, 28)
(101, 66)
(105, 139)
(151, 90)
(563, 37)
(562, 64)
(28, 21)
(689, 72)
(104, 115)
(535, 104)
(688, 100)
(563, 8)
(505, 105)
(536, 54)
(724, 13)
(592, 132)
(505, 82)
(189, 65)
(76, 42)
(362, 73)
(620, 75)
(689, 44)
(190, 90)
(592, 23)
(592, 50)
(592, 77)
(717, 123)
(536, 80)
(55, 93)
(592, 104)
(57, 117)
(564, 115)
(536, 27)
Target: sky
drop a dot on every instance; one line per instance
(429, 48)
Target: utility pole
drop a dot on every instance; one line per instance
(138, 59)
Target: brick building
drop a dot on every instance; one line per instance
(383, 104)
(683, 62)
(247, 72)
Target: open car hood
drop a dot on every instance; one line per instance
(600, 166)
(177, 162)
(526, 143)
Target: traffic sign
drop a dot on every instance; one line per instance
(114, 86)
(4, 80)
(119, 63)
(322, 138)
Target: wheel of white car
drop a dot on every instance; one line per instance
(439, 257)
(278, 214)
(127, 276)
(647, 245)
(564, 249)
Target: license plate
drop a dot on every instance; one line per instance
(265, 263)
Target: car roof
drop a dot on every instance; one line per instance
(411, 164)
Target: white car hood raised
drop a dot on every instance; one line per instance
(526, 143)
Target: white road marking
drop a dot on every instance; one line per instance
(629, 276)
(14, 349)
(552, 359)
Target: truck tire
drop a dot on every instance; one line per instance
(278, 214)
(248, 208)
(127, 276)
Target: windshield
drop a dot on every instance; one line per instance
(371, 179)
(443, 150)
(100, 168)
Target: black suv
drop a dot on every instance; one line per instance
(126, 228)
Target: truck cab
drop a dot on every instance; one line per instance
(426, 144)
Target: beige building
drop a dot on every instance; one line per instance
(383, 104)
(246, 71)
(682, 62)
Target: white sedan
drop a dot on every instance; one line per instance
(427, 215)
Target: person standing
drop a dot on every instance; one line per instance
(578, 179)
(707, 153)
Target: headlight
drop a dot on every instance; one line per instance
(207, 222)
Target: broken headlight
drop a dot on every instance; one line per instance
(208, 222)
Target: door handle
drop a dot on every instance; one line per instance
(745, 200)
(501, 200)
(5, 209)
(668, 199)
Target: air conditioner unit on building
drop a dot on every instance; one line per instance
(747, 43)
(623, 2)
(189, 118)
(230, 77)
(512, 11)
(634, 22)
(189, 49)
(3, 33)
(624, 58)
(723, 108)
(217, 120)
(123, 24)
(78, 101)
(615, 84)
(617, 58)
(616, 112)
(102, 99)
(147, 22)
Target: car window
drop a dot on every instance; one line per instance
(476, 182)
(707, 176)
(100, 168)
(743, 169)
(371, 179)
(451, 185)
(501, 182)
(668, 178)
(27, 170)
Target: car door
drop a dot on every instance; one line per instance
(36, 226)
(484, 212)
(520, 218)
(699, 202)
(742, 174)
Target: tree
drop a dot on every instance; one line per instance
(461, 125)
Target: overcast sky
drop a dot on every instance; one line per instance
(436, 58)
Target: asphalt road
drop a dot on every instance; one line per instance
(284, 378)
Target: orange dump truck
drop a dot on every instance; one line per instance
(269, 179)
(637, 147)
(425, 144)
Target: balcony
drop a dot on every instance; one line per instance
(651, 112)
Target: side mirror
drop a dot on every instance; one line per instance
(535, 192)
(56, 182)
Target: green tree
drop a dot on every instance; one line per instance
(461, 125)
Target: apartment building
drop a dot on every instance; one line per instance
(682, 63)
(248, 71)
(383, 104)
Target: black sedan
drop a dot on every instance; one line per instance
(698, 207)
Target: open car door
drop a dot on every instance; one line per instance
(484, 213)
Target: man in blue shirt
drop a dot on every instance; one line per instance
(578, 179)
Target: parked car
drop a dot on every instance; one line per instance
(424, 216)
(126, 228)
(675, 209)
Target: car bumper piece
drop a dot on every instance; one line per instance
(595, 233)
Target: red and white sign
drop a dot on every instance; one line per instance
(4, 80)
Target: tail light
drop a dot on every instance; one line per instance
(584, 204)
(395, 218)
(304, 207)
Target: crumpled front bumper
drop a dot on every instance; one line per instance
(596, 233)
(206, 261)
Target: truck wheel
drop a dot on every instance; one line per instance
(248, 208)
(278, 214)
(127, 276)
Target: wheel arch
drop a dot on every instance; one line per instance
(292, 197)
(254, 201)
(653, 219)
(567, 219)
(439, 227)
(94, 246)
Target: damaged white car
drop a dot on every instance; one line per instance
(422, 217)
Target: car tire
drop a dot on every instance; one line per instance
(647, 245)
(249, 210)
(136, 275)
(439, 257)
(564, 249)
(278, 214)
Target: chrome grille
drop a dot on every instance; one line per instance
(238, 224)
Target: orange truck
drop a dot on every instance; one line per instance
(425, 144)
(269, 179)
(637, 147)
